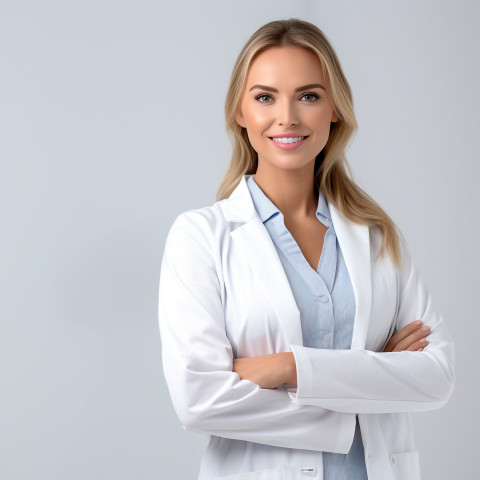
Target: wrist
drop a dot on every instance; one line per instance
(290, 369)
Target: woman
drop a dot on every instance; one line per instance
(292, 318)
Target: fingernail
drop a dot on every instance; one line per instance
(418, 322)
(426, 328)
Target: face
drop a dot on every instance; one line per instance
(285, 107)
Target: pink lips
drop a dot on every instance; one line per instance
(288, 146)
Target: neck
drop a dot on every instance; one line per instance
(291, 191)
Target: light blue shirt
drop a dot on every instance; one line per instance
(326, 302)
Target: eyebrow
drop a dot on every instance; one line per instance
(299, 89)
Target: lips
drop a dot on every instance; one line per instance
(288, 142)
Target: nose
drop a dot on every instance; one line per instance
(287, 114)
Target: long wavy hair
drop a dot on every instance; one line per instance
(332, 174)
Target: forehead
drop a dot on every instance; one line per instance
(286, 65)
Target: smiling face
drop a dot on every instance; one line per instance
(285, 107)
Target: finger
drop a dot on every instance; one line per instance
(412, 338)
(402, 334)
(420, 350)
(420, 344)
(405, 331)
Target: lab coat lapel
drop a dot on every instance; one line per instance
(354, 240)
(259, 252)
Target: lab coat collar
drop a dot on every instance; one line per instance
(254, 240)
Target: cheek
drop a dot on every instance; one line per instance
(254, 117)
(256, 122)
(322, 117)
(322, 121)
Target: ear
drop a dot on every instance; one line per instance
(239, 118)
(334, 117)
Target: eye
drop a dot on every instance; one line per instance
(311, 97)
(263, 95)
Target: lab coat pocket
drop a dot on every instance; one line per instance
(270, 474)
(406, 465)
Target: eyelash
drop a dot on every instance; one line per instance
(303, 95)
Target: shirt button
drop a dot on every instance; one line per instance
(324, 299)
(326, 337)
(370, 457)
(393, 460)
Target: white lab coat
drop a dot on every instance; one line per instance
(224, 294)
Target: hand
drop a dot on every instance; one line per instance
(268, 371)
(411, 337)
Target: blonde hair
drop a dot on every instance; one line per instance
(333, 176)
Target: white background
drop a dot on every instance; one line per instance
(111, 123)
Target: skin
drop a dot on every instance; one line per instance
(287, 177)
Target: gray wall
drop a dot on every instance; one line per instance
(111, 123)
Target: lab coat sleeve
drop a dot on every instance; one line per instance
(364, 381)
(197, 357)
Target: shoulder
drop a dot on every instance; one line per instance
(204, 219)
(200, 227)
(382, 252)
(376, 238)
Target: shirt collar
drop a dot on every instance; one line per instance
(266, 209)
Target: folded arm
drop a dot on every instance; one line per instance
(364, 381)
(207, 395)
(277, 369)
